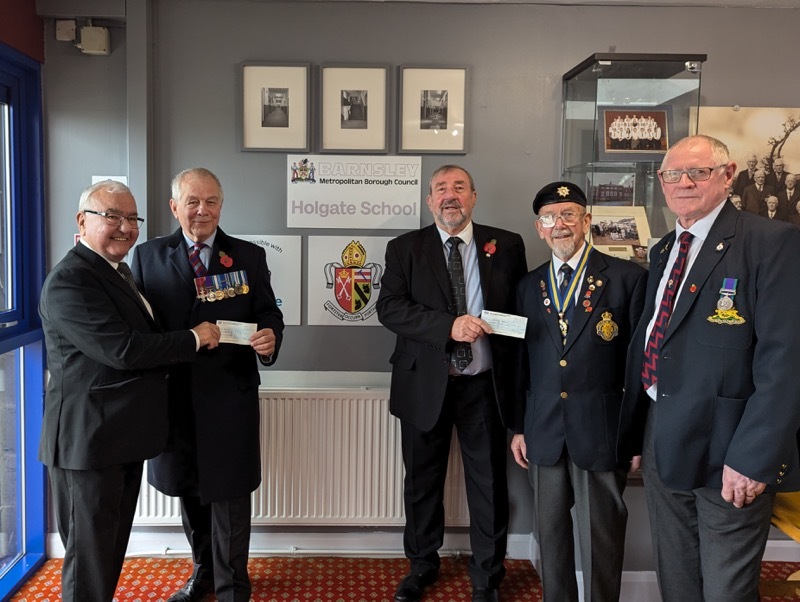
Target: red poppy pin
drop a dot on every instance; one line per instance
(490, 247)
(225, 259)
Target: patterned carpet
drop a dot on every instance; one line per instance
(295, 579)
(344, 580)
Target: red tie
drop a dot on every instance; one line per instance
(653, 348)
(194, 259)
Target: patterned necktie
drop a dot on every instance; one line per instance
(653, 348)
(566, 275)
(127, 275)
(194, 259)
(461, 354)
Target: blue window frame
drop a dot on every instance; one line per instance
(22, 477)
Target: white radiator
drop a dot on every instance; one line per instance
(328, 457)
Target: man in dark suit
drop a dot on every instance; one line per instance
(713, 400)
(106, 405)
(213, 460)
(774, 210)
(447, 370)
(746, 177)
(754, 196)
(777, 177)
(790, 195)
(582, 307)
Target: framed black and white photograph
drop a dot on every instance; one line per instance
(635, 133)
(433, 110)
(275, 107)
(353, 110)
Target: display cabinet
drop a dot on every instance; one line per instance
(621, 113)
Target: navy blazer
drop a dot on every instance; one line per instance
(574, 390)
(728, 394)
(415, 303)
(106, 401)
(214, 403)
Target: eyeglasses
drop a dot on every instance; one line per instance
(696, 174)
(568, 218)
(116, 220)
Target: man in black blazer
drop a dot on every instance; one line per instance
(582, 307)
(105, 409)
(213, 459)
(430, 393)
(746, 177)
(715, 408)
(755, 195)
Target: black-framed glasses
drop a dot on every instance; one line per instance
(568, 218)
(696, 174)
(116, 219)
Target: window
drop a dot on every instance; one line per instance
(22, 496)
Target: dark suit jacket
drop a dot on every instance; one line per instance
(590, 368)
(213, 401)
(743, 180)
(106, 401)
(753, 198)
(778, 183)
(727, 393)
(415, 304)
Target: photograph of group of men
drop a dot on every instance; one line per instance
(769, 191)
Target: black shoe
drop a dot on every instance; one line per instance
(193, 591)
(412, 586)
(484, 594)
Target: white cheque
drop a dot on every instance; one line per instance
(237, 333)
(506, 324)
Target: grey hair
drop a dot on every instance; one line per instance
(445, 169)
(719, 150)
(110, 186)
(194, 171)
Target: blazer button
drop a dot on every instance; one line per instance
(778, 481)
(562, 363)
(564, 395)
(781, 473)
(783, 465)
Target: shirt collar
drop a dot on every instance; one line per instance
(113, 264)
(209, 242)
(701, 227)
(465, 235)
(573, 261)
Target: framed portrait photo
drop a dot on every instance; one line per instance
(634, 133)
(620, 231)
(275, 107)
(433, 110)
(353, 110)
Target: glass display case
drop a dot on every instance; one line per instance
(621, 113)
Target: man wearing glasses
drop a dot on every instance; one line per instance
(582, 307)
(106, 404)
(712, 398)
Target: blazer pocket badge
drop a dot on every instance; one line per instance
(726, 313)
(607, 329)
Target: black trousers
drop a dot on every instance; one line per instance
(219, 534)
(94, 513)
(470, 407)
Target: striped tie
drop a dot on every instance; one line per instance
(194, 259)
(653, 348)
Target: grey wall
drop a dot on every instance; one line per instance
(516, 55)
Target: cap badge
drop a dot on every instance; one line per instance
(562, 191)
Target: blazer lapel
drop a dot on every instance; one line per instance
(179, 258)
(485, 261)
(711, 253)
(546, 306)
(432, 249)
(594, 276)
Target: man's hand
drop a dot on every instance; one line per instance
(208, 334)
(739, 489)
(520, 450)
(468, 328)
(636, 464)
(263, 342)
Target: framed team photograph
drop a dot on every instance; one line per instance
(275, 103)
(433, 110)
(354, 109)
(634, 133)
(620, 231)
